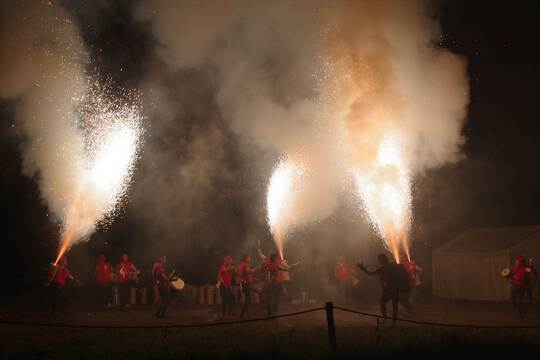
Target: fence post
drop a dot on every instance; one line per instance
(329, 307)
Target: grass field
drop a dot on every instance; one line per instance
(301, 337)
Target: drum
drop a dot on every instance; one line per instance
(355, 281)
(133, 276)
(178, 284)
(505, 272)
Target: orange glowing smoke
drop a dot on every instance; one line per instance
(385, 190)
(358, 89)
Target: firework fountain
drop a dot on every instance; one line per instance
(284, 184)
(111, 133)
(385, 191)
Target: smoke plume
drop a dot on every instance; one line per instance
(42, 61)
(324, 82)
(77, 142)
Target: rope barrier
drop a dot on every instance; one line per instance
(223, 323)
(163, 326)
(429, 323)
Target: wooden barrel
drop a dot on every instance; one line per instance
(143, 296)
(218, 297)
(210, 293)
(116, 296)
(187, 292)
(202, 294)
(194, 294)
(133, 296)
(191, 294)
(156, 295)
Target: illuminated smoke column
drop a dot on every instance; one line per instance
(112, 133)
(80, 138)
(385, 190)
(281, 199)
(400, 99)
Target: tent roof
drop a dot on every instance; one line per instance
(494, 239)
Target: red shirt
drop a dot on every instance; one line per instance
(519, 274)
(103, 273)
(61, 275)
(160, 275)
(124, 268)
(343, 272)
(273, 273)
(410, 268)
(243, 273)
(225, 273)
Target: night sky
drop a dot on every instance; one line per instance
(495, 184)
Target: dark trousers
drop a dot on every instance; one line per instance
(227, 298)
(344, 292)
(246, 290)
(528, 293)
(273, 296)
(124, 289)
(164, 301)
(104, 294)
(517, 295)
(404, 297)
(390, 295)
(58, 299)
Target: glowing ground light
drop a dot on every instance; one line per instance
(385, 190)
(284, 182)
(112, 135)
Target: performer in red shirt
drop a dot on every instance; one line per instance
(162, 282)
(518, 280)
(123, 270)
(245, 275)
(58, 295)
(344, 274)
(225, 279)
(273, 272)
(103, 282)
(411, 269)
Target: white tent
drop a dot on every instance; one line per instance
(469, 267)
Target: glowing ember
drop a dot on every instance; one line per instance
(112, 137)
(385, 189)
(285, 181)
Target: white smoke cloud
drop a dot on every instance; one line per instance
(42, 61)
(77, 143)
(321, 80)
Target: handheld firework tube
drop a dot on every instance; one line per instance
(50, 274)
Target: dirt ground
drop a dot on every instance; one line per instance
(303, 336)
